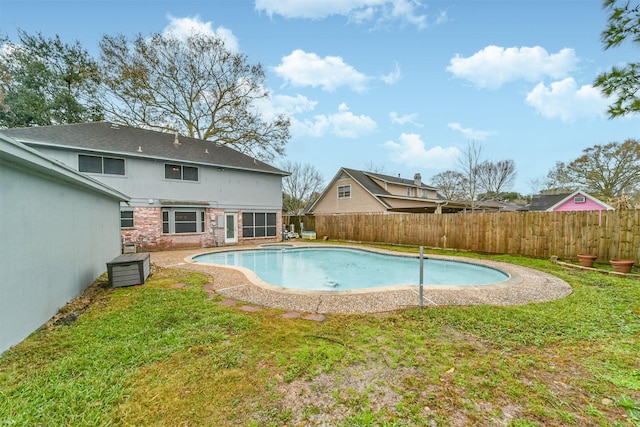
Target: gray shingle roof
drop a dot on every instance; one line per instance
(367, 182)
(364, 179)
(102, 137)
(542, 202)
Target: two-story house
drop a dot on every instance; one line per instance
(184, 192)
(355, 191)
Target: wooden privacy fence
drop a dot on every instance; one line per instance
(607, 234)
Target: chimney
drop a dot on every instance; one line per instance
(175, 140)
(417, 180)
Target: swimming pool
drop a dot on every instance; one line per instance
(337, 268)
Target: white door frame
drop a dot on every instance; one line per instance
(231, 227)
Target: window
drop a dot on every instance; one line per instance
(180, 221)
(179, 172)
(99, 164)
(579, 199)
(126, 219)
(344, 191)
(259, 224)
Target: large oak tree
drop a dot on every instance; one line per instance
(46, 82)
(193, 85)
(606, 171)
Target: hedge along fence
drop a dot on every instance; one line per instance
(607, 234)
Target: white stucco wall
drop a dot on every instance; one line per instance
(57, 232)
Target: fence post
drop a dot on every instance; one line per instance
(421, 275)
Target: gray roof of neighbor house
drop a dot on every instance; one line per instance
(542, 202)
(366, 181)
(364, 178)
(103, 137)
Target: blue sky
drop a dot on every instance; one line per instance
(399, 85)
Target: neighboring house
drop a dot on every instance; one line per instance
(185, 192)
(59, 228)
(355, 191)
(576, 201)
(495, 206)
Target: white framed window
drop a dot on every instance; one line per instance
(344, 191)
(182, 220)
(579, 199)
(259, 224)
(100, 164)
(180, 172)
(126, 218)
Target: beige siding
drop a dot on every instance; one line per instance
(398, 190)
(360, 200)
(408, 203)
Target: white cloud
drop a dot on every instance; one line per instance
(355, 10)
(566, 101)
(308, 69)
(402, 120)
(283, 104)
(494, 66)
(471, 134)
(411, 151)
(343, 124)
(183, 27)
(393, 77)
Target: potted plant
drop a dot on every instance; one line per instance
(586, 260)
(622, 265)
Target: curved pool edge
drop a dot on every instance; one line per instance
(513, 278)
(529, 286)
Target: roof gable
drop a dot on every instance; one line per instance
(368, 181)
(551, 202)
(569, 200)
(103, 137)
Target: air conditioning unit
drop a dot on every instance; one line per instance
(129, 248)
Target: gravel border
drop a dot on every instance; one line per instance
(525, 285)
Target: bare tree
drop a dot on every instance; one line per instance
(299, 188)
(370, 167)
(496, 178)
(193, 85)
(450, 184)
(468, 165)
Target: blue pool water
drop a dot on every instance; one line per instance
(345, 268)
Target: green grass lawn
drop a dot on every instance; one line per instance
(157, 355)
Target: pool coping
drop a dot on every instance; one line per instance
(513, 277)
(524, 285)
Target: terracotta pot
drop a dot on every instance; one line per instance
(586, 260)
(622, 265)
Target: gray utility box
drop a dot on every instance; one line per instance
(129, 269)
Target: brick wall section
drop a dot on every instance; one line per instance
(147, 232)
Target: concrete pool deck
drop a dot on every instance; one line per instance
(525, 285)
